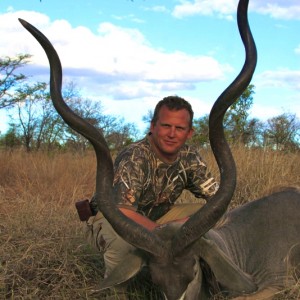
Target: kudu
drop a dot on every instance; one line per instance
(254, 251)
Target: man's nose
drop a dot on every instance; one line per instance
(172, 131)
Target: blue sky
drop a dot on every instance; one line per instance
(130, 54)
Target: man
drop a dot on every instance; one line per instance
(151, 174)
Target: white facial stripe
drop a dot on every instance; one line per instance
(194, 287)
(182, 297)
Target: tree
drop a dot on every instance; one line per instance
(254, 132)
(11, 139)
(200, 136)
(35, 119)
(9, 78)
(236, 119)
(51, 128)
(116, 132)
(89, 110)
(147, 118)
(283, 132)
(28, 97)
(122, 135)
(237, 126)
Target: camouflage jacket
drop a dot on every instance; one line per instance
(152, 186)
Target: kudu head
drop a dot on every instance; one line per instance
(172, 262)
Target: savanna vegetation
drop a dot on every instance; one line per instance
(46, 168)
(34, 125)
(43, 252)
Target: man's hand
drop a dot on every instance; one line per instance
(138, 218)
(146, 222)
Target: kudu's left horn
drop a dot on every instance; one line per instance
(125, 227)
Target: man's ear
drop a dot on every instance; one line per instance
(152, 125)
(191, 132)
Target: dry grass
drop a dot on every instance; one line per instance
(43, 253)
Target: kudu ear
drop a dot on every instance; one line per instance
(228, 274)
(194, 287)
(129, 267)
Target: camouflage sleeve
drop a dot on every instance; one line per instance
(129, 177)
(200, 181)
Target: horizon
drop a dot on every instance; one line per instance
(131, 54)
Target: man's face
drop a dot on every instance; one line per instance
(170, 132)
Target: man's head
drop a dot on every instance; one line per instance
(171, 126)
(173, 103)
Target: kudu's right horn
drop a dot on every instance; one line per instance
(209, 214)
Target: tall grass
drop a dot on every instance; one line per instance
(43, 252)
(260, 172)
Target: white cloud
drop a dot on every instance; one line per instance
(276, 92)
(265, 112)
(13, 41)
(129, 17)
(297, 50)
(222, 8)
(284, 78)
(157, 8)
(279, 9)
(122, 57)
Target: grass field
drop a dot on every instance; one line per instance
(43, 252)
